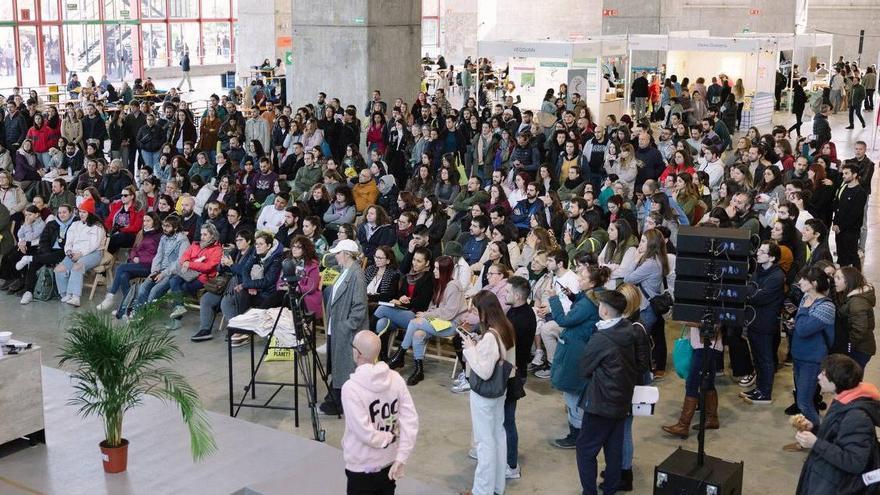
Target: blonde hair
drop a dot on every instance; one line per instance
(633, 299)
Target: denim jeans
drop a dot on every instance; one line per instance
(511, 431)
(151, 158)
(600, 433)
(648, 317)
(207, 309)
(487, 419)
(695, 375)
(70, 281)
(860, 357)
(150, 290)
(575, 412)
(179, 285)
(123, 275)
(420, 342)
(762, 351)
(398, 318)
(805, 379)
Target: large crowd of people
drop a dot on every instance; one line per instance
(542, 247)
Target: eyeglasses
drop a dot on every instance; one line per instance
(297, 246)
(355, 348)
(125, 195)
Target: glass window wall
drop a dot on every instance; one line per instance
(43, 41)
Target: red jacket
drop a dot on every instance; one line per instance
(135, 218)
(204, 260)
(43, 138)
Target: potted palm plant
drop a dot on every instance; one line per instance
(117, 365)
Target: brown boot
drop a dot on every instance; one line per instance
(681, 428)
(712, 422)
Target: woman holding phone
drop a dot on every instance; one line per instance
(483, 352)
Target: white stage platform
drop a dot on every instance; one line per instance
(251, 460)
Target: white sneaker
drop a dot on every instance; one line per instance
(73, 301)
(107, 303)
(512, 473)
(539, 357)
(460, 378)
(26, 298)
(65, 298)
(23, 262)
(472, 453)
(178, 312)
(461, 387)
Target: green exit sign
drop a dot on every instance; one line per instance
(358, 20)
(124, 14)
(72, 6)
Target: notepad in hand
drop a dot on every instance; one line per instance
(390, 305)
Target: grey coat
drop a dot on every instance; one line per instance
(345, 315)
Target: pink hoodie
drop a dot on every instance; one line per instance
(376, 403)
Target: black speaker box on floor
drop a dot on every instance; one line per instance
(680, 475)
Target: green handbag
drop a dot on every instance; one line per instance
(682, 353)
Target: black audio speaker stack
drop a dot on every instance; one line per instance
(711, 271)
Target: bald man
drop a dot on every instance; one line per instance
(381, 423)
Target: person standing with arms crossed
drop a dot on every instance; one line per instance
(381, 422)
(849, 213)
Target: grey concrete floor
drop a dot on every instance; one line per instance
(753, 434)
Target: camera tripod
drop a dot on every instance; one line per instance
(307, 366)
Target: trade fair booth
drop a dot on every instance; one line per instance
(594, 68)
(754, 60)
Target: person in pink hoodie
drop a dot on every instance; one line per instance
(381, 422)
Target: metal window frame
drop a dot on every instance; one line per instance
(137, 23)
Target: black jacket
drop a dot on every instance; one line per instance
(799, 99)
(640, 87)
(843, 448)
(821, 129)
(610, 366)
(388, 286)
(150, 138)
(15, 129)
(49, 236)
(94, 128)
(424, 291)
(113, 184)
(384, 235)
(133, 125)
(766, 297)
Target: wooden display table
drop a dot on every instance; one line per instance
(21, 396)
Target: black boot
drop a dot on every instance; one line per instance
(626, 481)
(332, 405)
(397, 360)
(569, 441)
(418, 374)
(383, 351)
(793, 408)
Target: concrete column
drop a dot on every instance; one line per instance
(255, 38)
(348, 48)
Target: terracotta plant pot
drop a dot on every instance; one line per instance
(115, 458)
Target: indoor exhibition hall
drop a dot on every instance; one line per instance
(473, 247)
